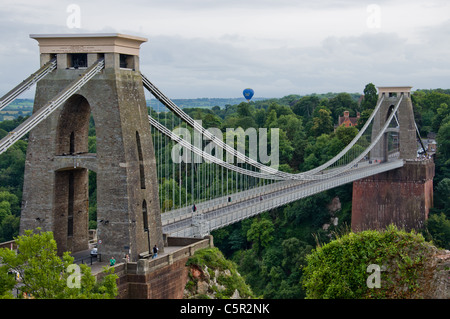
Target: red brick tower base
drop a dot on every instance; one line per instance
(401, 197)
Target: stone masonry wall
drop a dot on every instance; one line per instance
(116, 100)
(162, 278)
(402, 197)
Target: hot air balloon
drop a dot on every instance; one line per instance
(248, 93)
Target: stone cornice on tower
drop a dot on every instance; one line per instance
(89, 43)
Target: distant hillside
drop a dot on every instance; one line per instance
(222, 102)
(24, 107)
(18, 107)
(200, 102)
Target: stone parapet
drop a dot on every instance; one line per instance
(160, 278)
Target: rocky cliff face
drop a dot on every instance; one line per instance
(439, 277)
(211, 276)
(205, 283)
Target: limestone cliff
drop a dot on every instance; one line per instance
(211, 276)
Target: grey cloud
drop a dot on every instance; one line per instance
(338, 64)
(221, 67)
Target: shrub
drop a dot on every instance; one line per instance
(339, 269)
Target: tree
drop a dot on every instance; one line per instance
(370, 97)
(295, 133)
(439, 227)
(12, 164)
(9, 228)
(442, 196)
(442, 112)
(363, 117)
(9, 215)
(44, 275)
(245, 109)
(323, 123)
(260, 117)
(346, 134)
(432, 100)
(260, 234)
(285, 147)
(5, 210)
(211, 120)
(340, 103)
(271, 119)
(306, 105)
(443, 139)
(13, 201)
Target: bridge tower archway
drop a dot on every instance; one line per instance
(71, 184)
(55, 196)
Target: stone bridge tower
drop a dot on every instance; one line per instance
(55, 194)
(402, 196)
(404, 128)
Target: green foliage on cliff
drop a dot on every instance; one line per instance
(340, 270)
(219, 275)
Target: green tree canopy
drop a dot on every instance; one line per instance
(443, 139)
(439, 227)
(260, 233)
(370, 97)
(323, 123)
(340, 103)
(339, 269)
(442, 112)
(306, 105)
(44, 275)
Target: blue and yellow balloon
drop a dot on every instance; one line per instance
(248, 94)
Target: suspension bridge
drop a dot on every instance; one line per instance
(142, 191)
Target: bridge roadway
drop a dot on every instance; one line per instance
(220, 212)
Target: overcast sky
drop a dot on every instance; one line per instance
(215, 48)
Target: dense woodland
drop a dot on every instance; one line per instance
(270, 249)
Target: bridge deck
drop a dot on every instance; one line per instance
(217, 213)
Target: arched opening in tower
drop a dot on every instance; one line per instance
(75, 186)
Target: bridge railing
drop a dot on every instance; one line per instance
(9, 244)
(223, 201)
(288, 195)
